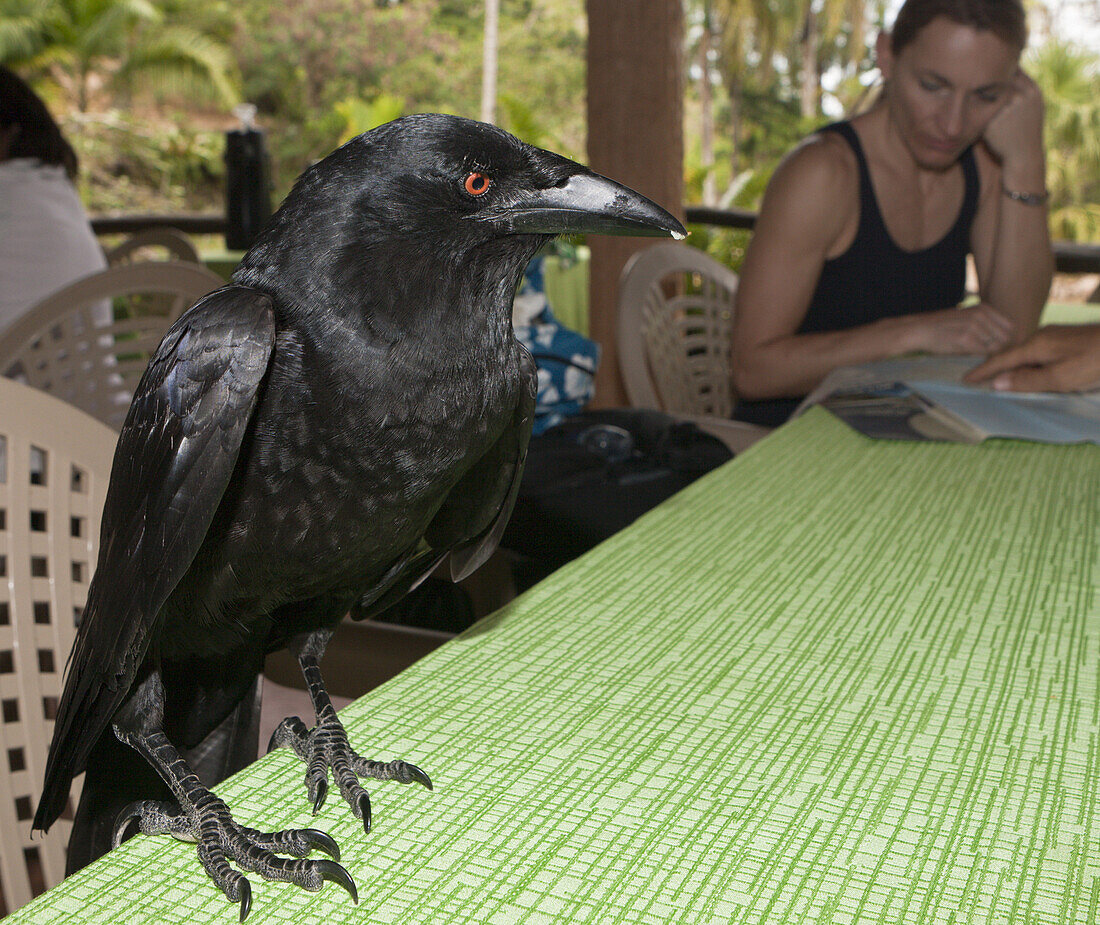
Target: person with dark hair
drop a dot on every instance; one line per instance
(46, 241)
(859, 252)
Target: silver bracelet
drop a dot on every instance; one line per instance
(1028, 199)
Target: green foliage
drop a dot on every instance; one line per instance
(128, 167)
(322, 71)
(1069, 77)
(757, 94)
(523, 122)
(80, 43)
(361, 116)
(182, 62)
(726, 245)
(24, 27)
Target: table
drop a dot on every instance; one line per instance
(835, 680)
(1070, 313)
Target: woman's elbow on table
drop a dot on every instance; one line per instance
(752, 375)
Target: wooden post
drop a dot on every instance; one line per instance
(635, 136)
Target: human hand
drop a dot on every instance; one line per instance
(975, 329)
(1056, 358)
(1015, 134)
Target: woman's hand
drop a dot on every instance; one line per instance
(974, 329)
(1057, 358)
(1015, 135)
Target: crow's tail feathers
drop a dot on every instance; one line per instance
(72, 743)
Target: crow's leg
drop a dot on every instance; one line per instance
(326, 745)
(200, 816)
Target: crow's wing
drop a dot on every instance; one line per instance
(174, 459)
(472, 519)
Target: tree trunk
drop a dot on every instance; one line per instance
(489, 62)
(736, 104)
(706, 103)
(635, 136)
(810, 81)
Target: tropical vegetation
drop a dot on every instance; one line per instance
(146, 88)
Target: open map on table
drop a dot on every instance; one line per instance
(923, 398)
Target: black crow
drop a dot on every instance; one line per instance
(349, 412)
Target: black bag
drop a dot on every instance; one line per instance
(594, 474)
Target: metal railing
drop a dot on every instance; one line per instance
(210, 223)
(1069, 257)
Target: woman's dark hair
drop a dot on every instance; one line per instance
(1004, 18)
(37, 134)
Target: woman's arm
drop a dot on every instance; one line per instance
(809, 211)
(1010, 236)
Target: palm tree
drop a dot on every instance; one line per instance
(81, 42)
(1068, 76)
(746, 34)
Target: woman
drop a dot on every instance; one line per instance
(859, 252)
(46, 241)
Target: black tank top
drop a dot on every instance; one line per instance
(875, 278)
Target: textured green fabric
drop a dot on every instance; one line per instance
(835, 681)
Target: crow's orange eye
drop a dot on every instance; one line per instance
(477, 183)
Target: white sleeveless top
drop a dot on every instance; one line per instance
(46, 241)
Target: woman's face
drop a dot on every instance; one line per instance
(944, 87)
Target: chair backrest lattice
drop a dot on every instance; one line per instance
(55, 462)
(90, 342)
(675, 314)
(153, 244)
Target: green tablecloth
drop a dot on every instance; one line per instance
(835, 681)
(1070, 313)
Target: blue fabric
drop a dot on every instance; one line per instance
(567, 361)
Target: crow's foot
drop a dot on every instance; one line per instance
(220, 839)
(326, 746)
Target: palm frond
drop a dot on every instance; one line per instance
(180, 60)
(25, 27)
(108, 24)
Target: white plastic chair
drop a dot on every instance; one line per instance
(54, 465)
(139, 245)
(90, 342)
(675, 313)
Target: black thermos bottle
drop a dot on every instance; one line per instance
(247, 182)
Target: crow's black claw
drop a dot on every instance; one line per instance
(129, 813)
(246, 898)
(322, 793)
(330, 870)
(326, 843)
(419, 776)
(364, 812)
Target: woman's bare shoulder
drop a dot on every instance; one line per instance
(822, 158)
(819, 180)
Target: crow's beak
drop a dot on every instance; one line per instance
(587, 202)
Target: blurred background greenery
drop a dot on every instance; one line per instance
(145, 88)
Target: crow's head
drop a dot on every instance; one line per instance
(437, 193)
